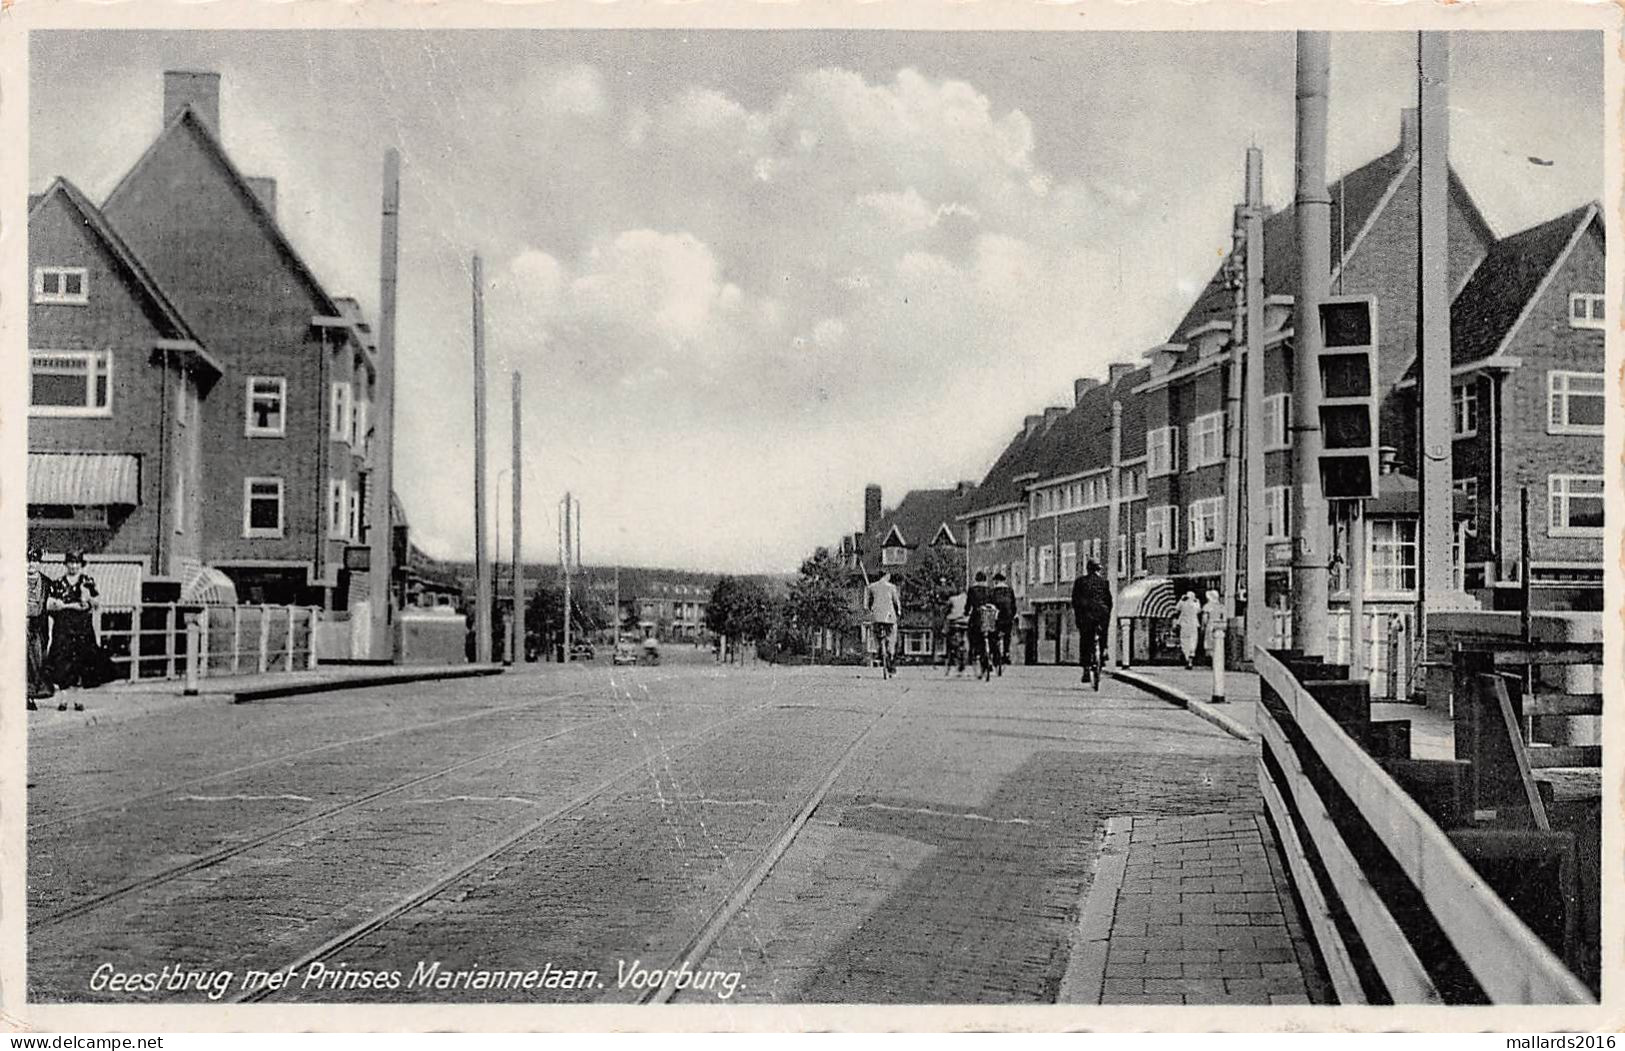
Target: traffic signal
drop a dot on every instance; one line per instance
(1348, 401)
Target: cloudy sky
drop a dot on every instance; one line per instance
(745, 273)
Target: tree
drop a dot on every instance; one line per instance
(934, 575)
(544, 613)
(739, 610)
(818, 599)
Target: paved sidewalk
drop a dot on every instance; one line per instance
(120, 701)
(1200, 918)
(1432, 735)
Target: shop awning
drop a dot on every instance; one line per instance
(1148, 597)
(208, 586)
(84, 479)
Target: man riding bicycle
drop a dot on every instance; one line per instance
(956, 627)
(1092, 608)
(886, 607)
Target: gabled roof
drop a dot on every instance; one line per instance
(917, 521)
(188, 119)
(1486, 312)
(1081, 440)
(1357, 198)
(1020, 457)
(122, 254)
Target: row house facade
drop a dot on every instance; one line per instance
(254, 385)
(1133, 473)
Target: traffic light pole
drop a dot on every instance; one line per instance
(1435, 420)
(1312, 218)
(1258, 612)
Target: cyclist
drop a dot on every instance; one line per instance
(1002, 595)
(956, 626)
(886, 607)
(1092, 608)
(978, 595)
(985, 620)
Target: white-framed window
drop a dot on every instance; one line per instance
(1139, 553)
(352, 514)
(916, 643)
(61, 284)
(1161, 529)
(1069, 560)
(70, 383)
(1467, 487)
(262, 507)
(1464, 406)
(1207, 440)
(337, 501)
(1574, 402)
(1206, 523)
(1094, 551)
(1586, 309)
(1046, 564)
(339, 422)
(1391, 562)
(1277, 512)
(1161, 451)
(1017, 577)
(1278, 422)
(1576, 504)
(266, 409)
(358, 435)
(1131, 482)
(1123, 555)
(1032, 564)
(894, 556)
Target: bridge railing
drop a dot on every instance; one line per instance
(1399, 913)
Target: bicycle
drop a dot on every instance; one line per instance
(886, 648)
(954, 655)
(1093, 641)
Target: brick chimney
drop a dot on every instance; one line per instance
(1410, 131)
(1052, 414)
(199, 90)
(1116, 372)
(871, 508)
(1030, 424)
(1080, 387)
(264, 188)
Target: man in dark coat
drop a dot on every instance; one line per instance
(39, 629)
(1092, 608)
(977, 596)
(1004, 597)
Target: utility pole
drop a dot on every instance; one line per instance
(1258, 611)
(1433, 329)
(1312, 218)
(564, 565)
(482, 563)
(381, 487)
(1114, 518)
(517, 621)
(1232, 419)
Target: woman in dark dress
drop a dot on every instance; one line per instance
(75, 659)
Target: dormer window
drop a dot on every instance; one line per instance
(1585, 310)
(61, 284)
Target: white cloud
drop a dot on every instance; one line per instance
(577, 90)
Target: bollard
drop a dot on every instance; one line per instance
(1217, 654)
(194, 642)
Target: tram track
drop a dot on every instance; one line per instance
(127, 802)
(461, 870)
(213, 858)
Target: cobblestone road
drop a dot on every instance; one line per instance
(582, 820)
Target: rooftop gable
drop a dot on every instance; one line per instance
(171, 323)
(188, 122)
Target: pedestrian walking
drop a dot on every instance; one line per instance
(1004, 598)
(39, 630)
(1188, 616)
(1212, 619)
(76, 659)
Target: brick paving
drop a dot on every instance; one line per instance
(1199, 917)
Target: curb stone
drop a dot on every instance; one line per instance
(1174, 695)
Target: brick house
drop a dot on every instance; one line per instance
(285, 443)
(118, 385)
(923, 522)
(1528, 402)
